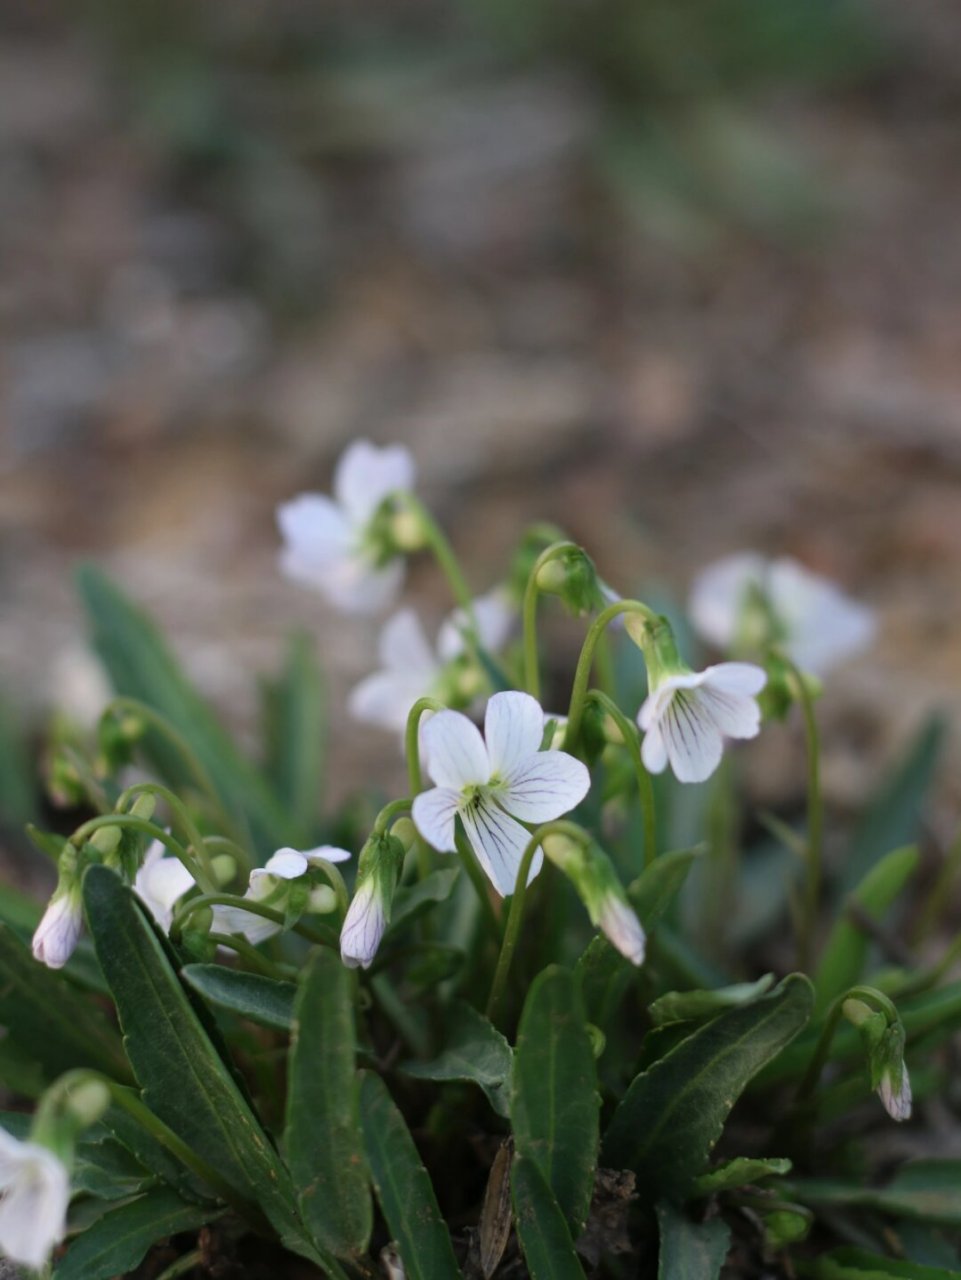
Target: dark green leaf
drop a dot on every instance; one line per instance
(541, 1226)
(323, 1139)
(184, 1081)
(924, 1189)
(250, 995)
(846, 952)
(473, 1050)
(554, 1104)
(657, 886)
(149, 1152)
(739, 1172)
(410, 901)
(859, 1264)
(894, 817)
(605, 977)
(141, 666)
(672, 1115)
(294, 707)
(686, 1006)
(690, 1250)
(403, 1187)
(119, 1240)
(48, 1020)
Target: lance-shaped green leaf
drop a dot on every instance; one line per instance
(846, 952)
(403, 1187)
(294, 727)
(672, 1115)
(555, 1104)
(323, 1138)
(541, 1226)
(263, 1000)
(894, 817)
(183, 1078)
(923, 1189)
(118, 1241)
(687, 1006)
(690, 1250)
(411, 901)
(739, 1172)
(473, 1050)
(141, 666)
(51, 1022)
(858, 1264)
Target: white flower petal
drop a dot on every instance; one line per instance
(58, 932)
(363, 927)
(315, 531)
(545, 786)
(499, 843)
(513, 729)
(327, 853)
(159, 883)
(366, 474)
(824, 627)
(385, 699)
(495, 617)
(433, 813)
(654, 750)
(354, 585)
(744, 678)
(456, 755)
(254, 928)
(403, 645)
(35, 1190)
(620, 924)
(288, 864)
(693, 741)
(734, 716)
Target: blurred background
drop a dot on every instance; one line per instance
(681, 275)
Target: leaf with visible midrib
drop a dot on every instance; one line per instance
(673, 1113)
(404, 1187)
(554, 1105)
(183, 1079)
(323, 1139)
(118, 1241)
(541, 1227)
(690, 1250)
(473, 1050)
(266, 1001)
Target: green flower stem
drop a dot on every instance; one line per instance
(389, 813)
(940, 892)
(869, 995)
(195, 841)
(532, 678)
(645, 784)
(129, 1100)
(223, 844)
(321, 935)
(585, 662)
(479, 881)
(186, 1262)
(815, 820)
(180, 744)
(255, 959)
(415, 776)
(444, 555)
(129, 822)
(516, 912)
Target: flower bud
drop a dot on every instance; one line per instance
(571, 575)
(144, 805)
(106, 840)
(368, 915)
(592, 873)
(87, 1101)
(889, 1074)
(58, 932)
(322, 900)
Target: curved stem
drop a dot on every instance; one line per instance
(815, 819)
(128, 820)
(415, 776)
(870, 995)
(645, 784)
(532, 678)
(444, 555)
(582, 673)
(256, 959)
(388, 813)
(516, 912)
(194, 839)
(323, 937)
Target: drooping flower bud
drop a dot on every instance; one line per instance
(58, 932)
(378, 871)
(593, 876)
(571, 575)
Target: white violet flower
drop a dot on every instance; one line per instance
(494, 783)
(58, 932)
(161, 881)
(34, 1194)
(267, 885)
(745, 601)
(333, 543)
(688, 714)
(411, 669)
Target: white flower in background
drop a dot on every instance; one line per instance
(333, 544)
(364, 925)
(411, 669)
(160, 882)
(745, 601)
(34, 1194)
(267, 886)
(688, 714)
(58, 932)
(491, 784)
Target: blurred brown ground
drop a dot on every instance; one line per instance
(193, 324)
